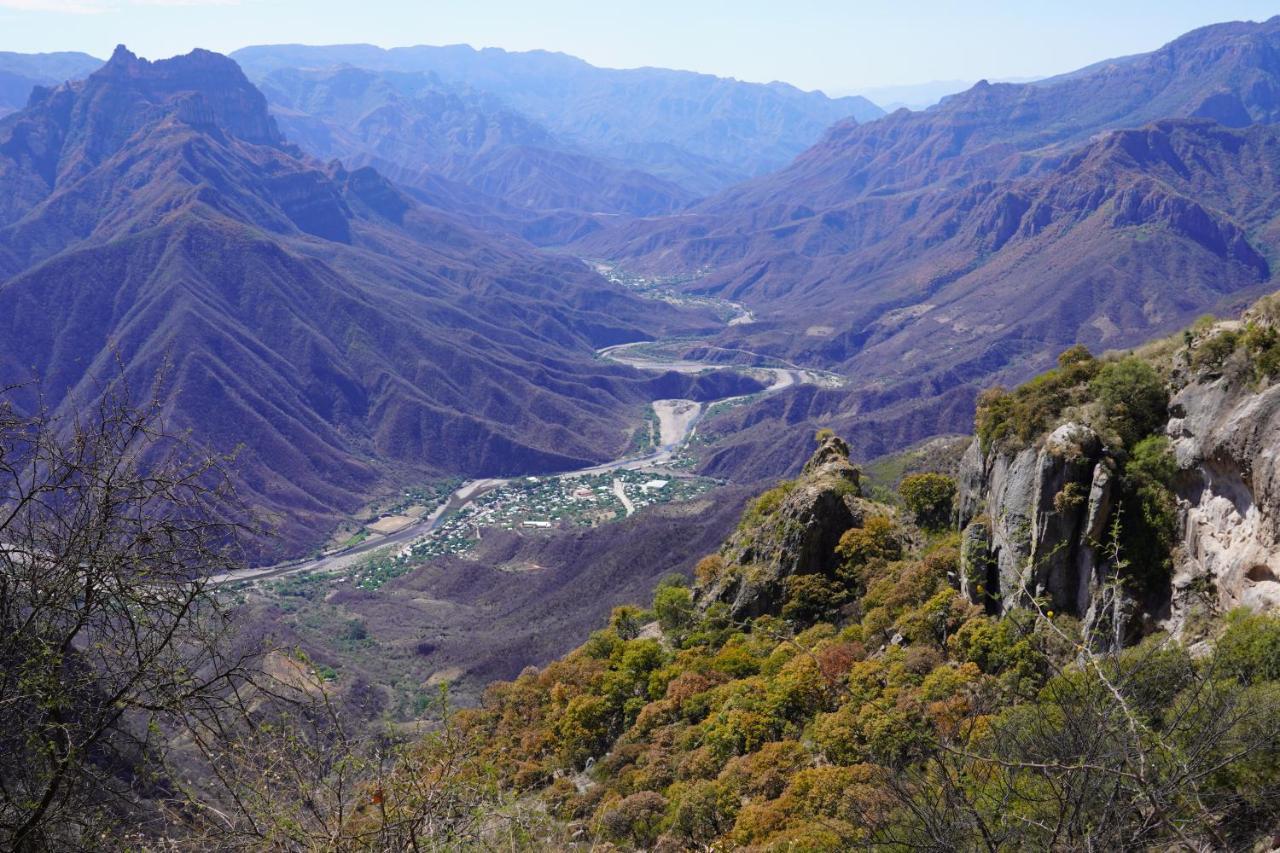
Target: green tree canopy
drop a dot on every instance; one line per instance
(929, 497)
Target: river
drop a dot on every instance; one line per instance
(677, 419)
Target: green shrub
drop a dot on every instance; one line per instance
(1001, 646)
(637, 819)
(1148, 511)
(583, 729)
(766, 505)
(1203, 323)
(699, 812)
(1152, 674)
(877, 538)
(673, 605)
(1249, 649)
(1152, 462)
(709, 570)
(1071, 498)
(1021, 415)
(994, 421)
(1262, 343)
(1133, 398)
(626, 621)
(1131, 394)
(1214, 350)
(929, 497)
(812, 596)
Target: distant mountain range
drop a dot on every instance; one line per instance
(345, 336)
(697, 131)
(22, 72)
(921, 96)
(415, 128)
(531, 131)
(928, 254)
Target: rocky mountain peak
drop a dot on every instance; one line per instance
(831, 459)
(790, 530)
(122, 60)
(205, 89)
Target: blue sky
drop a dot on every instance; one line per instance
(842, 45)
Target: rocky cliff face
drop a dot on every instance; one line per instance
(1035, 521)
(209, 91)
(1226, 436)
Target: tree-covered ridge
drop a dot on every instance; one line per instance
(875, 705)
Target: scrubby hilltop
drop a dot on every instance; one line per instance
(1081, 656)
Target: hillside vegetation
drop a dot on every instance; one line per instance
(875, 705)
(833, 679)
(1070, 644)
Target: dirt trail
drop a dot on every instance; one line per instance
(620, 490)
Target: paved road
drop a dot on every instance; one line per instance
(345, 557)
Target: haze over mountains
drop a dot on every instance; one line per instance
(696, 130)
(338, 260)
(506, 134)
(415, 128)
(21, 72)
(918, 96)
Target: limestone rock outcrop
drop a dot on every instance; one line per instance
(1225, 435)
(1034, 520)
(797, 535)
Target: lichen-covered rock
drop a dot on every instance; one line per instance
(1226, 439)
(793, 529)
(1033, 520)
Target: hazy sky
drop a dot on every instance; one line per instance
(827, 44)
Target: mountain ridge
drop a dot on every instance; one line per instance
(348, 336)
(21, 73)
(697, 130)
(912, 235)
(413, 127)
